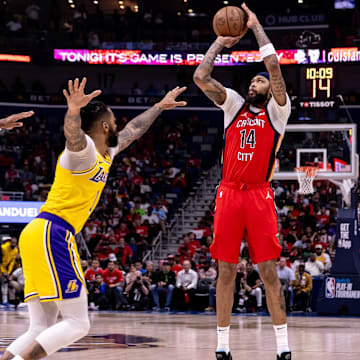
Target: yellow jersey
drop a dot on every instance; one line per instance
(9, 257)
(75, 194)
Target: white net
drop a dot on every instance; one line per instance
(306, 176)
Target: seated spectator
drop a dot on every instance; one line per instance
(316, 240)
(302, 288)
(253, 283)
(149, 272)
(16, 286)
(174, 261)
(323, 257)
(308, 249)
(287, 278)
(139, 267)
(122, 230)
(152, 218)
(313, 266)
(186, 283)
(137, 291)
(194, 244)
(115, 280)
(99, 294)
(322, 218)
(124, 253)
(164, 283)
(160, 213)
(93, 270)
(84, 265)
(207, 271)
(240, 298)
(202, 252)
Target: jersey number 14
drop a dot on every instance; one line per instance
(247, 139)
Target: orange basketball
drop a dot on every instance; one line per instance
(230, 21)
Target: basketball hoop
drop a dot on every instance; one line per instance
(306, 176)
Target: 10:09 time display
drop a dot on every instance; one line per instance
(322, 78)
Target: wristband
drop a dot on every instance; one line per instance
(267, 50)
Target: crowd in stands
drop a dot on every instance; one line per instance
(117, 279)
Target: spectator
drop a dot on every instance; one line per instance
(149, 272)
(115, 280)
(124, 253)
(313, 266)
(16, 286)
(138, 292)
(287, 278)
(302, 288)
(240, 298)
(10, 252)
(95, 269)
(14, 25)
(186, 282)
(139, 267)
(323, 257)
(84, 265)
(207, 272)
(152, 218)
(253, 285)
(174, 261)
(322, 218)
(194, 244)
(164, 283)
(99, 294)
(160, 213)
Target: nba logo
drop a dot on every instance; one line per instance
(330, 288)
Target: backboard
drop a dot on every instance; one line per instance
(330, 147)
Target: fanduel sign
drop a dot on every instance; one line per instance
(20, 212)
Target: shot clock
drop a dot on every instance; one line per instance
(322, 81)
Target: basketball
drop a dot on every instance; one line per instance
(230, 21)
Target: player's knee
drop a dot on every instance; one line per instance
(269, 275)
(227, 274)
(35, 330)
(81, 327)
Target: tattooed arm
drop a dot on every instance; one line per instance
(138, 126)
(277, 83)
(212, 88)
(76, 99)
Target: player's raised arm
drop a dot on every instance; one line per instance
(76, 99)
(212, 88)
(268, 54)
(11, 121)
(138, 126)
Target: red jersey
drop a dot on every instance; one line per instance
(113, 277)
(250, 146)
(91, 273)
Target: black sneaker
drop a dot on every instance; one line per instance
(222, 355)
(284, 356)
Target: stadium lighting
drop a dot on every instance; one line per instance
(121, 2)
(225, 2)
(300, 1)
(190, 11)
(72, 5)
(122, 7)
(96, 2)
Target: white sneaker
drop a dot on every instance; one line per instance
(22, 306)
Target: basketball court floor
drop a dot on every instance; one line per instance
(153, 336)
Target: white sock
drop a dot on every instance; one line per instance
(281, 335)
(17, 357)
(223, 339)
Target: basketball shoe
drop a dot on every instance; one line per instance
(284, 356)
(222, 355)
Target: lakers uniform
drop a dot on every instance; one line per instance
(244, 201)
(51, 262)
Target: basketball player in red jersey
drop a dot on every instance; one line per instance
(254, 128)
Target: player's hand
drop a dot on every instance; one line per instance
(228, 41)
(252, 18)
(11, 121)
(169, 100)
(75, 96)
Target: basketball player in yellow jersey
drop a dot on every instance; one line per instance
(54, 281)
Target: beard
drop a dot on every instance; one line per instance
(256, 99)
(112, 140)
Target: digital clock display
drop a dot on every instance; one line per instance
(322, 80)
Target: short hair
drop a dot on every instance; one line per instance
(92, 113)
